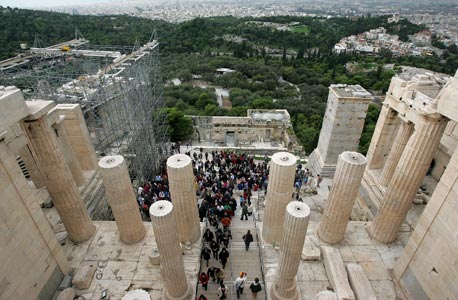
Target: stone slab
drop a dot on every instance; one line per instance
(326, 295)
(83, 276)
(136, 295)
(310, 251)
(38, 108)
(359, 282)
(67, 294)
(13, 106)
(336, 273)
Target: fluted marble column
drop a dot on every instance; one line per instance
(279, 194)
(292, 242)
(122, 199)
(32, 167)
(183, 195)
(345, 187)
(400, 142)
(69, 155)
(171, 258)
(59, 181)
(407, 178)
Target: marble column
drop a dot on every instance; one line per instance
(69, 155)
(32, 167)
(171, 258)
(120, 194)
(183, 195)
(279, 194)
(407, 178)
(78, 134)
(381, 142)
(292, 242)
(345, 187)
(400, 142)
(59, 181)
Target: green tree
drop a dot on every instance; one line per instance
(180, 126)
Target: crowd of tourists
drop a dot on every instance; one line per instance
(224, 183)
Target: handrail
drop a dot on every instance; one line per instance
(260, 248)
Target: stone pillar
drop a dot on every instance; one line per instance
(382, 139)
(343, 124)
(345, 187)
(279, 194)
(78, 134)
(295, 228)
(171, 257)
(32, 167)
(400, 142)
(122, 199)
(183, 195)
(59, 180)
(407, 178)
(67, 150)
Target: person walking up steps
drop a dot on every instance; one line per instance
(223, 256)
(206, 254)
(222, 292)
(244, 212)
(247, 238)
(220, 274)
(203, 278)
(239, 284)
(255, 288)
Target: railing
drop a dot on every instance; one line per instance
(261, 261)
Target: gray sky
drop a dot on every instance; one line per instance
(38, 3)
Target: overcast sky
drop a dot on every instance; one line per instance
(38, 3)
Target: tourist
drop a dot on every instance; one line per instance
(206, 254)
(239, 284)
(319, 179)
(250, 208)
(244, 212)
(226, 221)
(223, 256)
(215, 248)
(208, 236)
(222, 291)
(226, 236)
(220, 274)
(203, 278)
(247, 238)
(211, 273)
(255, 288)
(202, 297)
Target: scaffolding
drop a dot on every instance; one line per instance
(119, 90)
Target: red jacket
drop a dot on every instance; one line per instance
(203, 278)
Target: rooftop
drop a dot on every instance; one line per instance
(350, 91)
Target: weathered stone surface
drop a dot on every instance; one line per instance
(292, 243)
(310, 252)
(359, 282)
(183, 195)
(349, 171)
(326, 295)
(13, 107)
(407, 178)
(136, 295)
(279, 191)
(83, 276)
(171, 259)
(122, 199)
(154, 258)
(336, 273)
(67, 294)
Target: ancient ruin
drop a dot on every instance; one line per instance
(53, 247)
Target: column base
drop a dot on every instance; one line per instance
(329, 237)
(294, 292)
(317, 166)
(81, 238)
(187, 296)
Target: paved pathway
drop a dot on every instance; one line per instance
(240, 260)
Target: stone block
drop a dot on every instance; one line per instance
(83, 277)
(359, 282)
(337, 274)
(136, 295)
(67, 294)
(38, 108)
(326, 295)
(154, 258)
(13, 106)
(310, 251)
